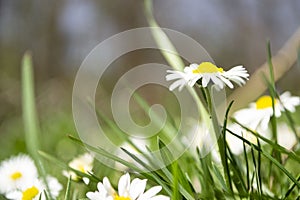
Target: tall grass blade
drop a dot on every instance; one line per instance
(30, 119)
(269, 157)
(167, 49)
(68, 190)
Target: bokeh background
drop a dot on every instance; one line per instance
(60, 34)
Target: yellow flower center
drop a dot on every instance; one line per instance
(30, 193)
(207, 67)
(117, 197)
(16, 175)
(81, 168)
(264, 102)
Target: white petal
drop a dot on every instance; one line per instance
(237, 74)
(101, 188)
(285, 136)
(160, 197)
(193, 66)
(192, 80)
(226, 81)
(150, 193)
(86, 180)
(179, 83)
(205, 80)
(93, 196)
(106, 183)
(265, 122)
(217, 81)
(124, 185)
(137, 187)
(174, 75)
(289, 102)
(14, 195)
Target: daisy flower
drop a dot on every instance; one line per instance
(259, 113)
(285, 137)
(127, 190)
(236, 144)
(16, 172)
(36, 190)
(206, 72)
(82, 163)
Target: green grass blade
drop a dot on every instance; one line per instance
(291, 154)
(237, 176)
(165, 154)
(226, 164)
(29, 110)
(291, 188)
(220, 179)
(247, 167)
(255, 171)
(171, 54)
(270, 158)
(68, 190)
(259, 166)
(177, 174)
(272, 90)
(176, 194)
(30, 118)
(269, 59)
(166, 47)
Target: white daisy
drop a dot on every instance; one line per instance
(127, 190)
(259, 113)
(36, 190)
(206, 71)
(285, 137)
(82, 163)
(236, 144)
(15, 172)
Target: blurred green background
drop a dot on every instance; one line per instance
(60, 34)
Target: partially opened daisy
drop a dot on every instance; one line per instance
(36, 190)
(16, 172)
(259, 113)
(127, 190)
(82, 163)
(207, 72)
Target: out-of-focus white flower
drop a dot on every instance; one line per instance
(206, 71)
(205, 140)
(16, 172)
(127, 190)
(259, 113)
(36, 190)
(236, 144)
(82, 163)
(285, 137)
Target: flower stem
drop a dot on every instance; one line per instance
(218, 133)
